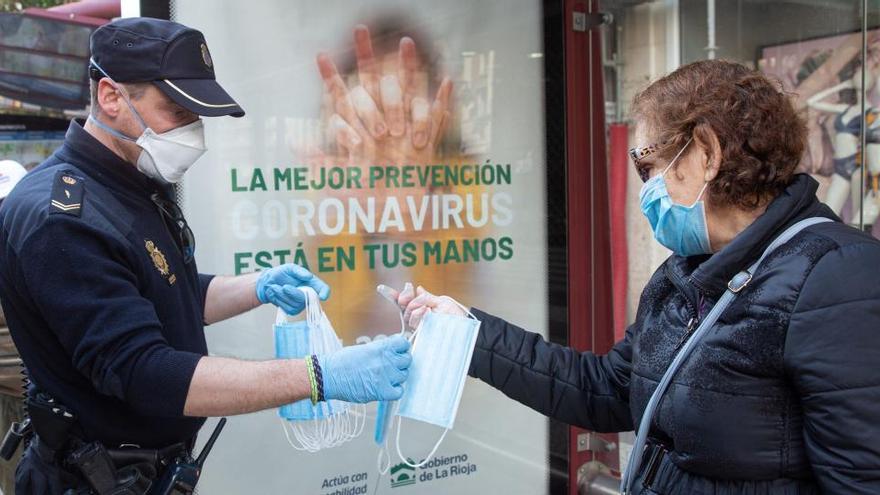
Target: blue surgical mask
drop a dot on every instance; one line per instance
(441, 353)
(328, 423)
(293, 340)
(680, 228)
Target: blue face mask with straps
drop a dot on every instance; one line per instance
(443, 346)
(679, 228)
(442, 351)
(293, 340)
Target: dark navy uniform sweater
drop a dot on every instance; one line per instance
(108, 318)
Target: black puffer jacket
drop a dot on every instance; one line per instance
(782, 396)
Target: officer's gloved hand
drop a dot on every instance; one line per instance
(367, 372)
(279, 286)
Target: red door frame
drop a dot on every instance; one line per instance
(589, 241)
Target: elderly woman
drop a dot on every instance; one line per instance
(782, 394)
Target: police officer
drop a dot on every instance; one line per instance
(102, 294)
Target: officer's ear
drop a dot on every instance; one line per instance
(109, 99)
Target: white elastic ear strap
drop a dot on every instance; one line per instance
(428, 458)
(402, 323)
(313, 435)
(460, 305)
(384, 453)
(303, 441)
(335, 422)
(386, 294)
(280, 317)
(313, 305)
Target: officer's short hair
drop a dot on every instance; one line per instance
(134, 90)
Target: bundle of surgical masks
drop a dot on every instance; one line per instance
(312, 427)
(442, 348)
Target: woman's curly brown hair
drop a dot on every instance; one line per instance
(762, 136)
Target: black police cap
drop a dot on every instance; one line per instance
(172, 56)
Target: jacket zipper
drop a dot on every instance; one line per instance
(694, 310)
(682, 284)
(692, 325)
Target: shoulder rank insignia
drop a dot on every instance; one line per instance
(67, 194)
(160, 262)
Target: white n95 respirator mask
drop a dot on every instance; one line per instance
(167, 156)
(164, 157)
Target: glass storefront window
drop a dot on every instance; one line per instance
(808, 47)
(815, 50)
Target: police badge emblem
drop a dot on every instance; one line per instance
(206, 56)
(160, 262)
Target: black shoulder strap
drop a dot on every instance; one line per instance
(67, 194)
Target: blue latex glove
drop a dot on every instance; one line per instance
(367, 372)
(279, 286)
